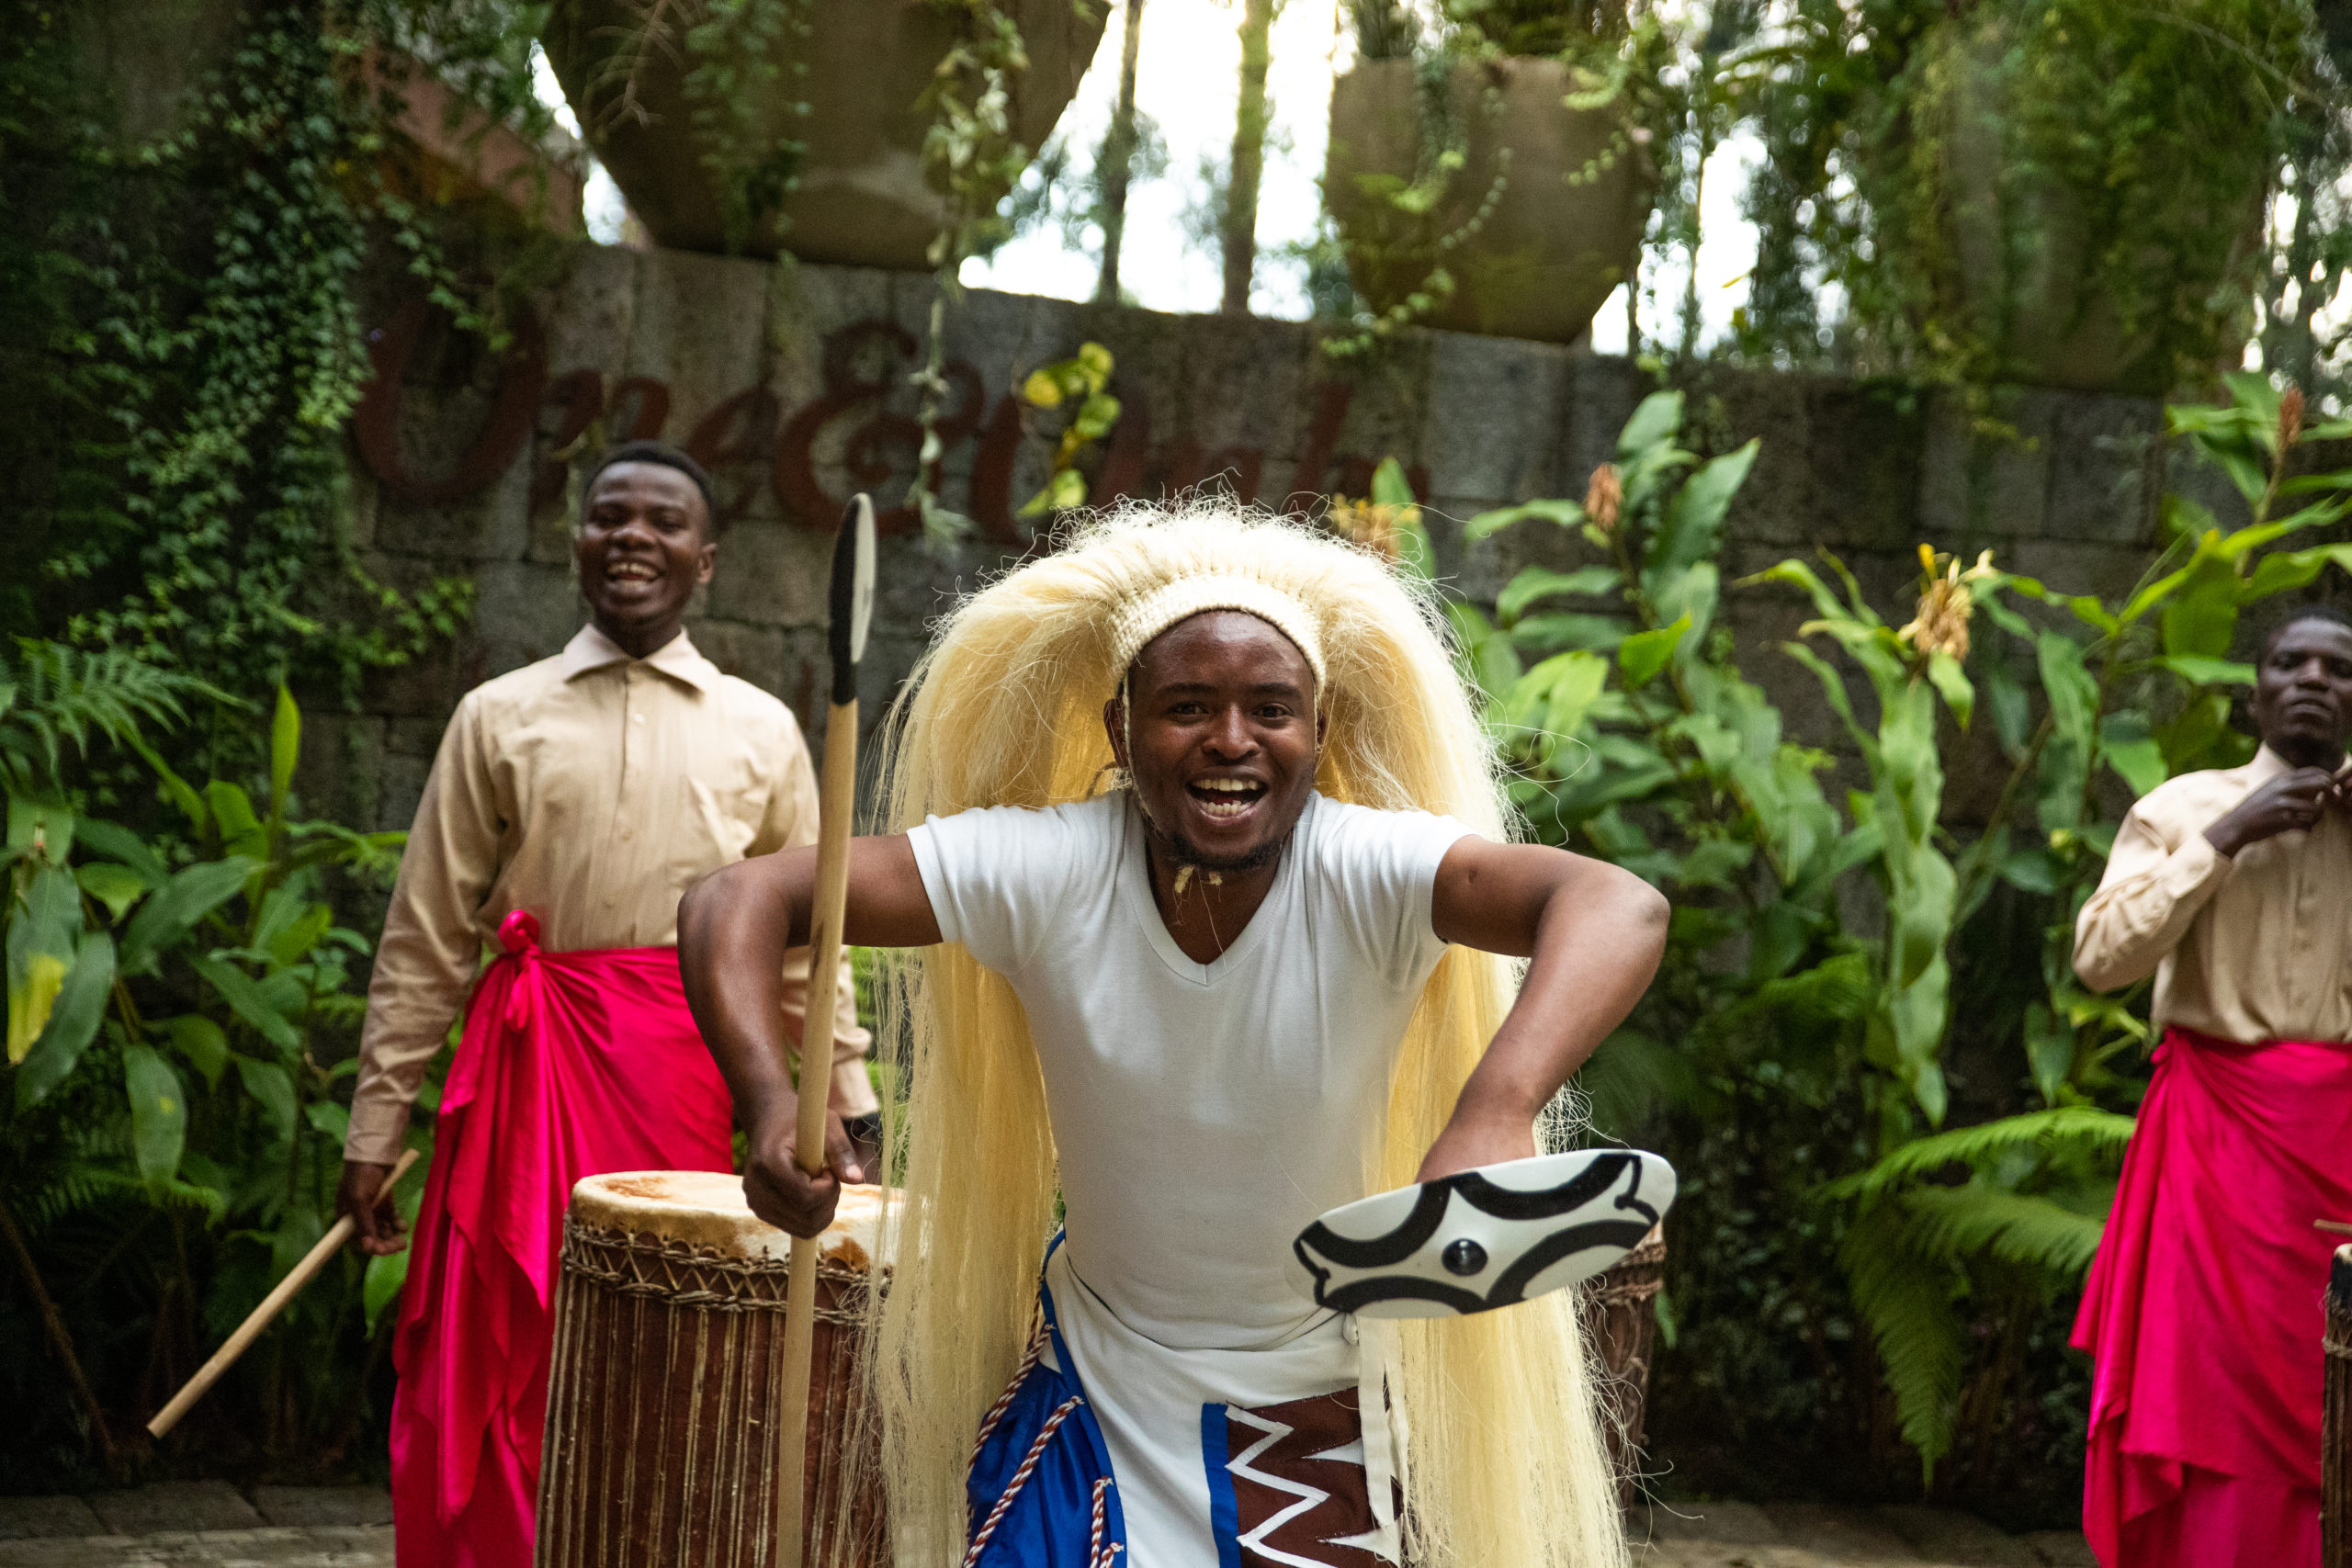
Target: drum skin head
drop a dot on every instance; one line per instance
(706, 1208)
(1483, 1238)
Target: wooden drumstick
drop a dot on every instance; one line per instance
(271, 1305)
(851, 611)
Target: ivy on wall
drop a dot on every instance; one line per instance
(177, 388)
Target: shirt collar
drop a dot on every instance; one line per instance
(2267, 765)
(592, 649)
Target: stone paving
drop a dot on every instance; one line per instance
(210, 1524)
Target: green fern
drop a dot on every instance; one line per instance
(2084, 1126)
(1909, 1302)
(53, 698)
(2033, 1233)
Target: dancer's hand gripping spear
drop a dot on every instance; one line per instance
(852, 609)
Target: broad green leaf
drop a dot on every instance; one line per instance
(175, 789)
(33, 990)
(2031, 871)
(2012, 707)
(249, 1001)
(1696, 520)
(1390, 486)
(2126, 746)
(2283, 571)
(382, 1285)
(294, 941)
(330, 1121)
(1656, 419)
(73, 1022)
(1571, 682)
(43, 829)
(2254, 396)
(2199, 670)
(1798, 574)
(298, 1229)
(44, 934)
(1557, 632)
(158, 1114)
(1644, 654)
(115, 885)
(1540, 583)
(2070, 687)
(232, 810)
(272, 1088)
(1952, 681)
(2202, 618)
(192, 893)
(202, 1042)
(2093, 614)
(113, 839)
(1484, 651)
(285, 750)
(2049, 1049)
(1564, 513)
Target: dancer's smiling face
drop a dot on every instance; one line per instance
(1224, 734)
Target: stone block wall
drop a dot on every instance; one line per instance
(791, 384)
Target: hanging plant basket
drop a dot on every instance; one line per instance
(840, 80)
(1532, 240)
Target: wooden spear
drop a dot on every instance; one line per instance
(851, 611)
(301, 1274)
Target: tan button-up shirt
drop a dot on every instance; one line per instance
(589, 788)
(2255, 949)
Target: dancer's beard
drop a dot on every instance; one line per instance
(1187, 852)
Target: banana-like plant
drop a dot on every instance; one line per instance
(1632, 733)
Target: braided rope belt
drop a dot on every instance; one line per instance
(635, 1263)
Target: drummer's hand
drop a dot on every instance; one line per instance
(363, 1195)
(779, 1191)
(1478, 1136)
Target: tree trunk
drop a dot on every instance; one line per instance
(1118, 159)
(1249, 157)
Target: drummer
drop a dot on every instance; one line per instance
(571, 801)
(1216, 966)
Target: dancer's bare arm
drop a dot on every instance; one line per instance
(1595, 933)
(734, 927)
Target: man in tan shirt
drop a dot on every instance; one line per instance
(2233, 888)
(572, 803)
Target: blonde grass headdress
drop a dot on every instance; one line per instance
(1504, 1461)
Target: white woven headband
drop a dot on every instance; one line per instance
(1145, 616)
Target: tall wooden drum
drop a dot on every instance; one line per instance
(2335, 1418)
(664, 1426)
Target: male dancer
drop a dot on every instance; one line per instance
(1203, 1006)
(570, 801)
(2233, 888)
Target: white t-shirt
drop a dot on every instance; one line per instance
(1204, 1113)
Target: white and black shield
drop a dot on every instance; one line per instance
(1483, 1238)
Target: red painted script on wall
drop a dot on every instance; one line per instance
(749, 439)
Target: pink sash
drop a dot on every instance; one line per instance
(2202, 1310)
(573, 1064)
